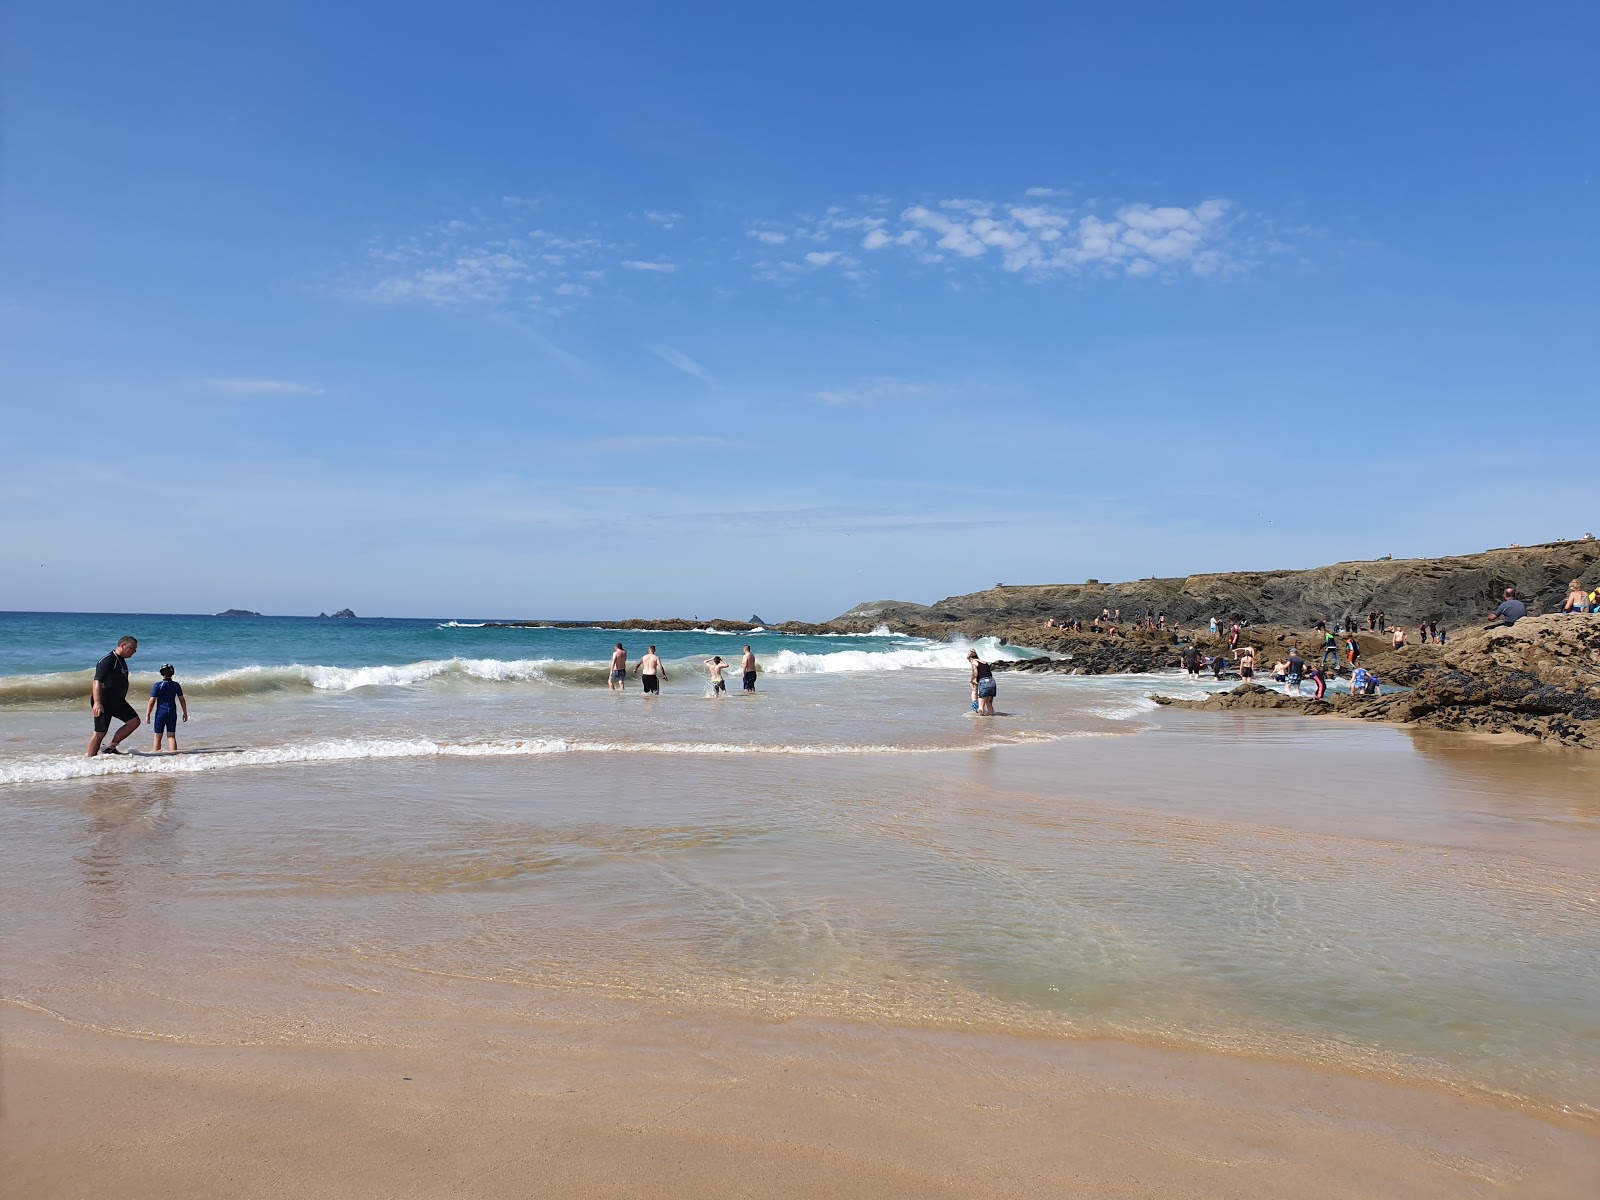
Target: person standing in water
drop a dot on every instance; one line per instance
(1247, 663)
(165, 699)
(748, 666)
(651, 673)
(983, 685)
(1296, 672)
(619, 670)
(719, 685)
(108, 697)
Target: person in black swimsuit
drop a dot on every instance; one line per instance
(108, 697)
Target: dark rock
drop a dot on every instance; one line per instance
(345, 613)
(238, 612)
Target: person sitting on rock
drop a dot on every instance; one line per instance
(1577, 599)
(1511, 611)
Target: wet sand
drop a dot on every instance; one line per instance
(689, 1107)
(1234, 955)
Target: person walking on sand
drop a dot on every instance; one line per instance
(983, 685)
(165, 699)
(748, 666)
(108, 697)
(619, 670)
(651, 673)
(719, 685)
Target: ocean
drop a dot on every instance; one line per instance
(379, 830)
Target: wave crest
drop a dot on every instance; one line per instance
(936, 655)
(72, 687)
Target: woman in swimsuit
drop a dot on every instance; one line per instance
(1577, 600)
(983, 685)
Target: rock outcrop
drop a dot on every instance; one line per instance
(1539, 677)
(238, 612)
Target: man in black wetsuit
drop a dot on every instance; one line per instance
(108, 697)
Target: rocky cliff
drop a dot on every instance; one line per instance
(1454, 590)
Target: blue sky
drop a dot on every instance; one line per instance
(650, 310)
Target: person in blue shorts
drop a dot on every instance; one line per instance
(165, 700)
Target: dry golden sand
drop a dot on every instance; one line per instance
(698, 1106)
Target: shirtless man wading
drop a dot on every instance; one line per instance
(1247, 663)
(748, 666)
(651, 673)
(619, 669)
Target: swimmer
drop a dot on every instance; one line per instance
(619, 669)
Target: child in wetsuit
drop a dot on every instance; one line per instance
(165, 700)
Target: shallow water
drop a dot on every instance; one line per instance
(371, 864)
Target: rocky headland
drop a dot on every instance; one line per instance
(1540, 678)
(1453, 590)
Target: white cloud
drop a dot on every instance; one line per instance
(1039, 238)
(262, 387)
(769, 237)
(635, 264)
(664, 219)
(682, 362)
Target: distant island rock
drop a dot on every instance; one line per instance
(238, 612)
(343, 612)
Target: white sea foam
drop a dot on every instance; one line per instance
(71, 687)
(463, 625)
(347, 750)
(944, 655)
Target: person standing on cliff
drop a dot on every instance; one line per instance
(108, 697)
(1511, 611)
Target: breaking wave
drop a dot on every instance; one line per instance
(346, 750)
(945, 655)
(72, 687)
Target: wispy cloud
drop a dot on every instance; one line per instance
(262, 387)
(658, 442)
(876, 388)
(682, 362)
(494, 257)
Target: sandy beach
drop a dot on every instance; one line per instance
(682, 1106)
(1205, 954)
